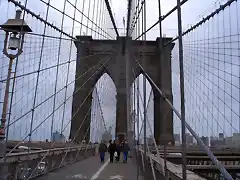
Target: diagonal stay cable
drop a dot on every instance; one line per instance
(88, 129)
(72, 17)
(111, 17)
(18, 4)
(148, 101)
(82, 75)
(221, 8)
(129, 16)
(161, 19)
(90, 20)
(50, 67)
(98, 100)
(84, 119)
(151, 162)
(137, 17)
(85, 136)
(33, 130)
(67, 99)
(61, 133)
(141, 110)
(218, 165)
(154, 141)
(68, 67)
(134, 17)
(61, 103)
(104, 94)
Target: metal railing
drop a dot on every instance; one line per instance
(172, 171)
(25, 165)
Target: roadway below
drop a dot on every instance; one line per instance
(93, 169)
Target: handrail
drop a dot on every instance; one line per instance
(16, 156)
(45, 150)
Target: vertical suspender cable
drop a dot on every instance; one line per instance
(89, 7)
(144, 87)
(57, 71)
(97, 14)
(160, 69)
(184, 160)
(68, 69)
(93, 16)
(38, 74)
(82, 17)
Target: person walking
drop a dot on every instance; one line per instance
(111, 150)
(118, 150)
(102, 149)
(121, 156)
(125, 151)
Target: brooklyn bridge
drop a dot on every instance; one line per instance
(164, 76)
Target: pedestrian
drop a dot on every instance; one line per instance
(121, 156)
(96, 147)
(111, 150)
(125, 151)
(102, 149)
(118, 150)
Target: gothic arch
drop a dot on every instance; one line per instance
(158, 69)
(103, 114)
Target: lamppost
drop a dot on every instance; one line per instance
(15, 30)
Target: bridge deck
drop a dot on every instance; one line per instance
(92, 169)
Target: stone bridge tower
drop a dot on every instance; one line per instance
(96, 57)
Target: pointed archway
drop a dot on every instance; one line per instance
(103, 111)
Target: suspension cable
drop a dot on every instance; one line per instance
(59, 106)
(111, 16)
(204, 147)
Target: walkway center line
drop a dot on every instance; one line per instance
(95, 176)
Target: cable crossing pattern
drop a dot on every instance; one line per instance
(70, 79)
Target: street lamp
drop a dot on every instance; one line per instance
(15, 30)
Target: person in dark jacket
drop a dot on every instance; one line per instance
(102, 149)
(125, 151)
(111, 150)
(118, 150)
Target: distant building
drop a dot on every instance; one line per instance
(217, 142)
(228, 141)
(189, 139)
(177, 138)
(221, 136)
(58, 137)
(236, 139)
(205, 140)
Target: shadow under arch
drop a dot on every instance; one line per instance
(103, 110)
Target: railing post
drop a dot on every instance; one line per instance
(49, 164)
